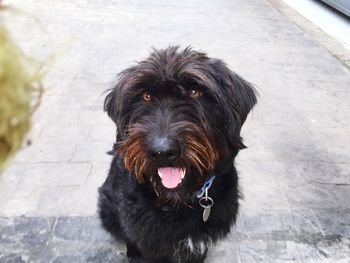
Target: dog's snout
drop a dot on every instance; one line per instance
(164, 149)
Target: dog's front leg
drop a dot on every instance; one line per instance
(151, 257)
(134, 254)
(193, 258)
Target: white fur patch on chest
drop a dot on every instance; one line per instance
(196, 247)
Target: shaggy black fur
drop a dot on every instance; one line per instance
(195, 106)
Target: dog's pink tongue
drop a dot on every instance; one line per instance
(171, 176)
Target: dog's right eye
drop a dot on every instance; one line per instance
(146, 96)
(195, 93)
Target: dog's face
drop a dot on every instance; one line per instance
(177, 114)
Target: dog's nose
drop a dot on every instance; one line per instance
(163, 149)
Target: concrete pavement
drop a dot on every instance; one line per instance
(295, 175)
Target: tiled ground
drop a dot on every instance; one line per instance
(295, 175)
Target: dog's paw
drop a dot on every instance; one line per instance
(136, 260)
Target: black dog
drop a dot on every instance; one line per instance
(172, 188)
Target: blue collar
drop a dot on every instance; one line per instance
(207, 184)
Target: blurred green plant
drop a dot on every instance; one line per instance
(20, 94)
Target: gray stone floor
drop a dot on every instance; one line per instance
(295, 175)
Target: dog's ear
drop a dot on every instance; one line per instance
(118, 99)
(112, 105)
(239, 96)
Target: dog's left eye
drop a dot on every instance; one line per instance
(195, 93)
(146, 96)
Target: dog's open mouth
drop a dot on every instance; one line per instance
(171, 176)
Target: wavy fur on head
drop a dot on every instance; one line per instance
(195, 106)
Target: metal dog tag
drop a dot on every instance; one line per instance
(206, 202)
(206, 214)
